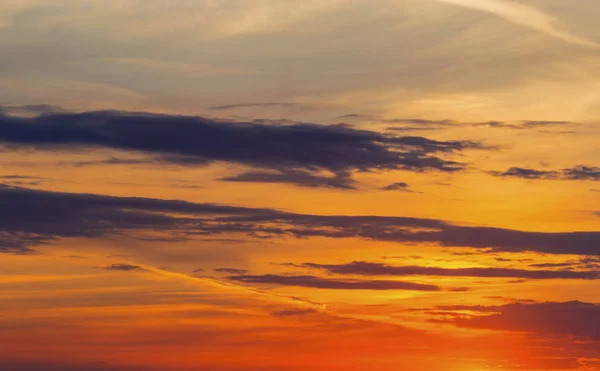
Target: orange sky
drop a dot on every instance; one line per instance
(240, 185)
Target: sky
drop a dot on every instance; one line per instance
(274, 185)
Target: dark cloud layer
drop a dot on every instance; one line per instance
(195, 140)
(379, 269)
(31, 217)
(569, 318)
(324, 283)
(579, 172)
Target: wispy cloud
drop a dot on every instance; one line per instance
(524, 15)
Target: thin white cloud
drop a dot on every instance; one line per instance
(526, 16)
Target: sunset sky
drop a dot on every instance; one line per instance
(274, 185)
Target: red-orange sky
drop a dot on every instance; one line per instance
(273, 185)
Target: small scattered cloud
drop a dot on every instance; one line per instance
(293, 312)
(399, 186)
(341, 180)
(579, 172)
(353, 116)
(230, 270)
(332, 284)
(22, 180)
(122, 267)
(249, 105)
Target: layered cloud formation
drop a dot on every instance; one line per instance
(33, 217)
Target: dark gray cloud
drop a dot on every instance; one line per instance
(230, 270)
(301, 178)
(400, 186)
(579, 172)
(569, 318)
(588, 262)
(293, 312)
(333, 284)
(518, 172)
(189, 140)
(31, 217)
(22, 180)
(122, 267)
(582, 173)
(379, 269)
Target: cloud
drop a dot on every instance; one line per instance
(293, 312)
(230, 270)
(31, 217)
(22, 180)
(323, 283)
(378, 269)
(579, 172)
(524, 15)
(568, 318)
(340, 180)
(188, 140)
(31, 110)
(352, 116)
(400, 186)
(426, 125)
(122, 267)
(537, 124)
(522, 124)
(247, 105)
(518, 172)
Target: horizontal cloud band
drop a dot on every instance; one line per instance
(31, 217)
(195, 140)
